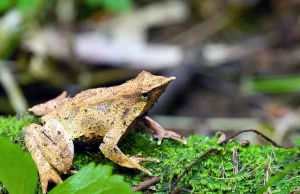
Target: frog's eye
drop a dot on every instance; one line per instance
(145, 94)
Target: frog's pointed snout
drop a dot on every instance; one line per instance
(172, 78)
(168, 80)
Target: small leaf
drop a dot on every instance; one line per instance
(17, 171)
(94, 180)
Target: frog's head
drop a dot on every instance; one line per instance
(150, 88)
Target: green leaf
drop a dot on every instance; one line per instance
(5, 5)
(272, 84)
(116, 6)
(28, 5)
(17, 171)
(94, 180)
(297, 142)
(279, 177)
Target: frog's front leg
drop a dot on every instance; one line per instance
(161, 133)
(52, 151)
(110, 150)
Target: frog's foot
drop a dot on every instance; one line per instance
(111, 151)
(47, 107)
(135, 160)
(116, 155)
(161, 133)
(52, 151)
(48, 173)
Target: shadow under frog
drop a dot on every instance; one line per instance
(101, 114)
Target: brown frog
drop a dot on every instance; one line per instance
(102, 114)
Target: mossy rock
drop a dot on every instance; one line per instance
(254, 165)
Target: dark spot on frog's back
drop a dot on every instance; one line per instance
(125, 112)
(103, 106)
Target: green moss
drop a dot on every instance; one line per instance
(256, 164)
(11, 127)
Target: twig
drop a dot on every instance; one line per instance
(235, 160)
(178, 191)
(147, 183)
(186, 170)
(267, 177)
(255, 131)
(214, 150)
(222, 169)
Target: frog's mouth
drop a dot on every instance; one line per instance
(151, 106)
(157, 92)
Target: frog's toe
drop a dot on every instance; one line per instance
(139, 167)
(160, 135)
(137, 159)
(145, 170)
(47, 175)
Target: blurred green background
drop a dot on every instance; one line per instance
(237, 63)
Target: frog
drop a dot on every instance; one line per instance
(103, 115)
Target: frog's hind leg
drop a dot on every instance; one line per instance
(52, 151)
(47, 107)
(161, 133)
(110, 149)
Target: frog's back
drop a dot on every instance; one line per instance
(94, 112)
